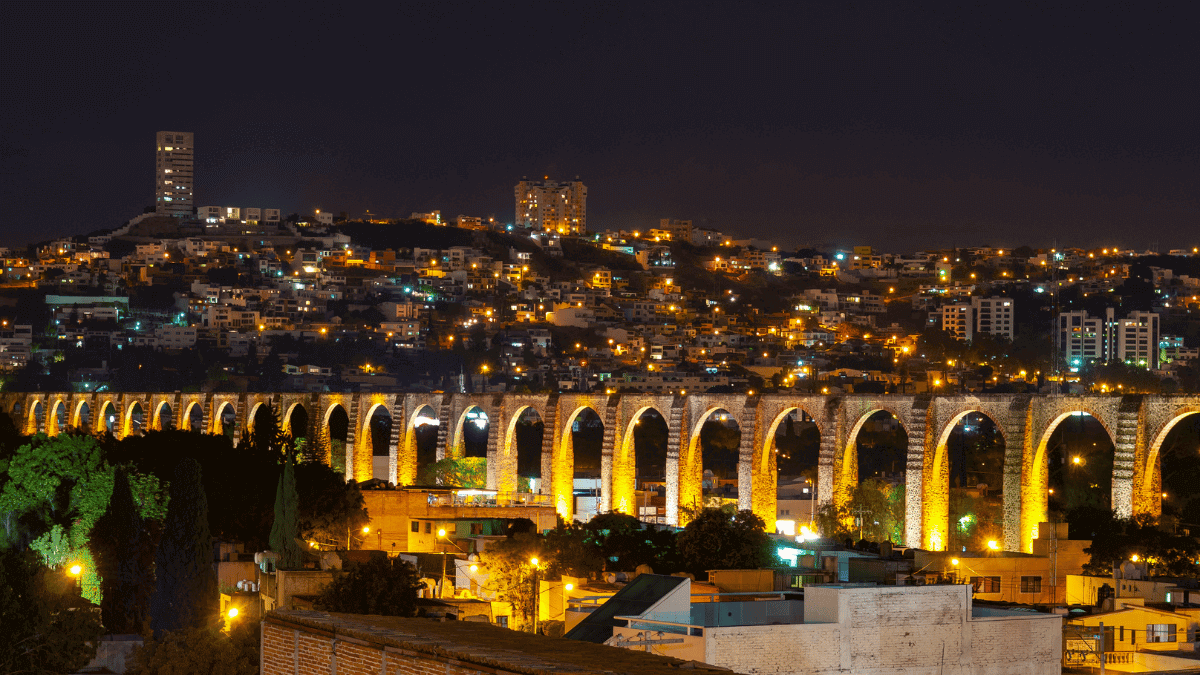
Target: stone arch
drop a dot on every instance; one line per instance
(625, 463)
(1150, 485)
(508, 460)
(1035, 487)
(691, 466)
(368, 440)
(563, 463)
(187, 423)
(57, 421)
(252, 417)
(157, 423)
(218, 420)
(408, 460)
(80, 419)
(340, 460)
(129, 421)
(37, 413)
(935, 502)
(458, 444)
(845, 460)
(299, 433)
(107, 418)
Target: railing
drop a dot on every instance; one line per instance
(490, 499)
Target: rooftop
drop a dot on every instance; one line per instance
(488, 645)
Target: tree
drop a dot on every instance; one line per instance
(198, 651)
(462, 472)
(286, 527)
(124, 552)
(329, 505)
(511, 573)
(46, 630)
(52, 491)
(382, 585)
(186, 586)
(717, 540)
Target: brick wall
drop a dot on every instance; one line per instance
(306, 651)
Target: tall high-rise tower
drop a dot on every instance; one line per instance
(552, 206)
(173, 174)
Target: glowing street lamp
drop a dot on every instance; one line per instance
(232, 613)
(994, 545)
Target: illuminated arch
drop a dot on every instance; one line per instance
(108, 409)
(935, 502)
(186, 421)
(624, 465)
(80, 420)
(407, 459)
(218, 421)
(506, 461)
(764, 474)
(845, 460)
(458, 446)
(127, 423)
(366, 441)
(52, 426)
(1150, 485)
(326, 452)
(1035, 486)
(563, 465)
(287, 420)
(691, 467)
(37, 412)
(157, 422)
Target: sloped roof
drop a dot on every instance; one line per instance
(637, 596)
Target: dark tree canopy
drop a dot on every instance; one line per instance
(42, 634)
(186, 588)
(123, 548)
(718, 539)
(383, 585)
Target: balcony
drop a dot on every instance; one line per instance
(489, 499)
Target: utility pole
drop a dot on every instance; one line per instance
(861, 513)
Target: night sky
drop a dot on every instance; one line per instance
(902, 126)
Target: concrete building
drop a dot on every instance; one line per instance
(1136, 638)
(1137, 339)
(409, 518)
(1038, 578)
(296, 642)
(173, 186)
(846, 628)
(1084, 339)
(551, 206)
(676, 230)
(993, 316)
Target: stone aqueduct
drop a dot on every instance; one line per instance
(1137, 425)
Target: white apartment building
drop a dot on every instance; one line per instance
(173, 182)
(176, 337)
(992, 316)
(1084, 339)
(1137, 339)
(551, 206)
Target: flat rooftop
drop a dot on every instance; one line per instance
(492, 646)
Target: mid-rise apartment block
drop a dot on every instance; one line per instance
(992, 316)
(551, 206)
(1084, 339)
(173, 185)
(676, 230)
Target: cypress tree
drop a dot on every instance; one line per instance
(124, 554)
(286, 527)
(186, 588)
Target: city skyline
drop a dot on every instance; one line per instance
(813, 125)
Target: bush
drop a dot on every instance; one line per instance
(386, 586)
(199, 651)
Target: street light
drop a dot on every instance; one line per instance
(534, 561)
(232, 613)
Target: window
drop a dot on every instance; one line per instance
(1160, 632)
(986, 584)
(1031, 584)
(416, 527)
(428, 528)
(476, 528)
